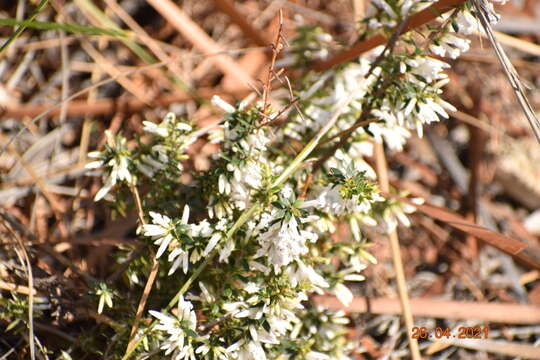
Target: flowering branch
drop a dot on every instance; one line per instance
(264, 214)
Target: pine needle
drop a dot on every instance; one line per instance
(485, 14)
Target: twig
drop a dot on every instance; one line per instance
(278, 115)
(276, 48)
(151, 277)
(28, 266)
(440, 309)
(382, 172)
(366, 109)
(527, 254)
(416, 20)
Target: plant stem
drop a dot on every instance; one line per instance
(19, 31)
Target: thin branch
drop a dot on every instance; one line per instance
(28, 266)
(416, 20)
(382, 173)
(276, 48)
(151, 277)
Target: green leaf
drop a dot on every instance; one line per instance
(75, 29)
(12, 324)
(21, 28)
(455, 25)
(191, 333)
(278, 205)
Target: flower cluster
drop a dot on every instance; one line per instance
(254, 235)
(180, 330)
(117, 159)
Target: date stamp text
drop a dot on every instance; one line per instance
(463, 332)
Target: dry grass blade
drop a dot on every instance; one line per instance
(519, 44)
(483, 13)
(28, 268)
(382, 172)
(525, 253)
(41, 111)
(228, 8)
(25, 290)
(441, 309)
(112, 70)
(152, 44)
(200, 40)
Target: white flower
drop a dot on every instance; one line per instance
(160, 230)
(384, 5)
(467, 23)
(396, 212)
(253, 350)
(406, 6)
(343, 294)
(116, 162)
(284, 243)
(160, 130)
(428, 68)
(225, 106)
(332, 202)
(212, 243)
(226, 251)
(261, 335)
(149, 165)
(452, 45)
(94, 164)
(218, 352)
(178, 257)
(395, 136)
(107, 186)
(354, 277)
(244, 180)
(178, 342)
(306, 273)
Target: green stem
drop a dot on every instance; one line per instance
(19, 31)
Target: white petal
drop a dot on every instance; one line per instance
(104, 190)
(94, 164)
(185, 214)
(219, 102)
(354, 277)
(164, 243)
(211, 244)
(153, 230)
